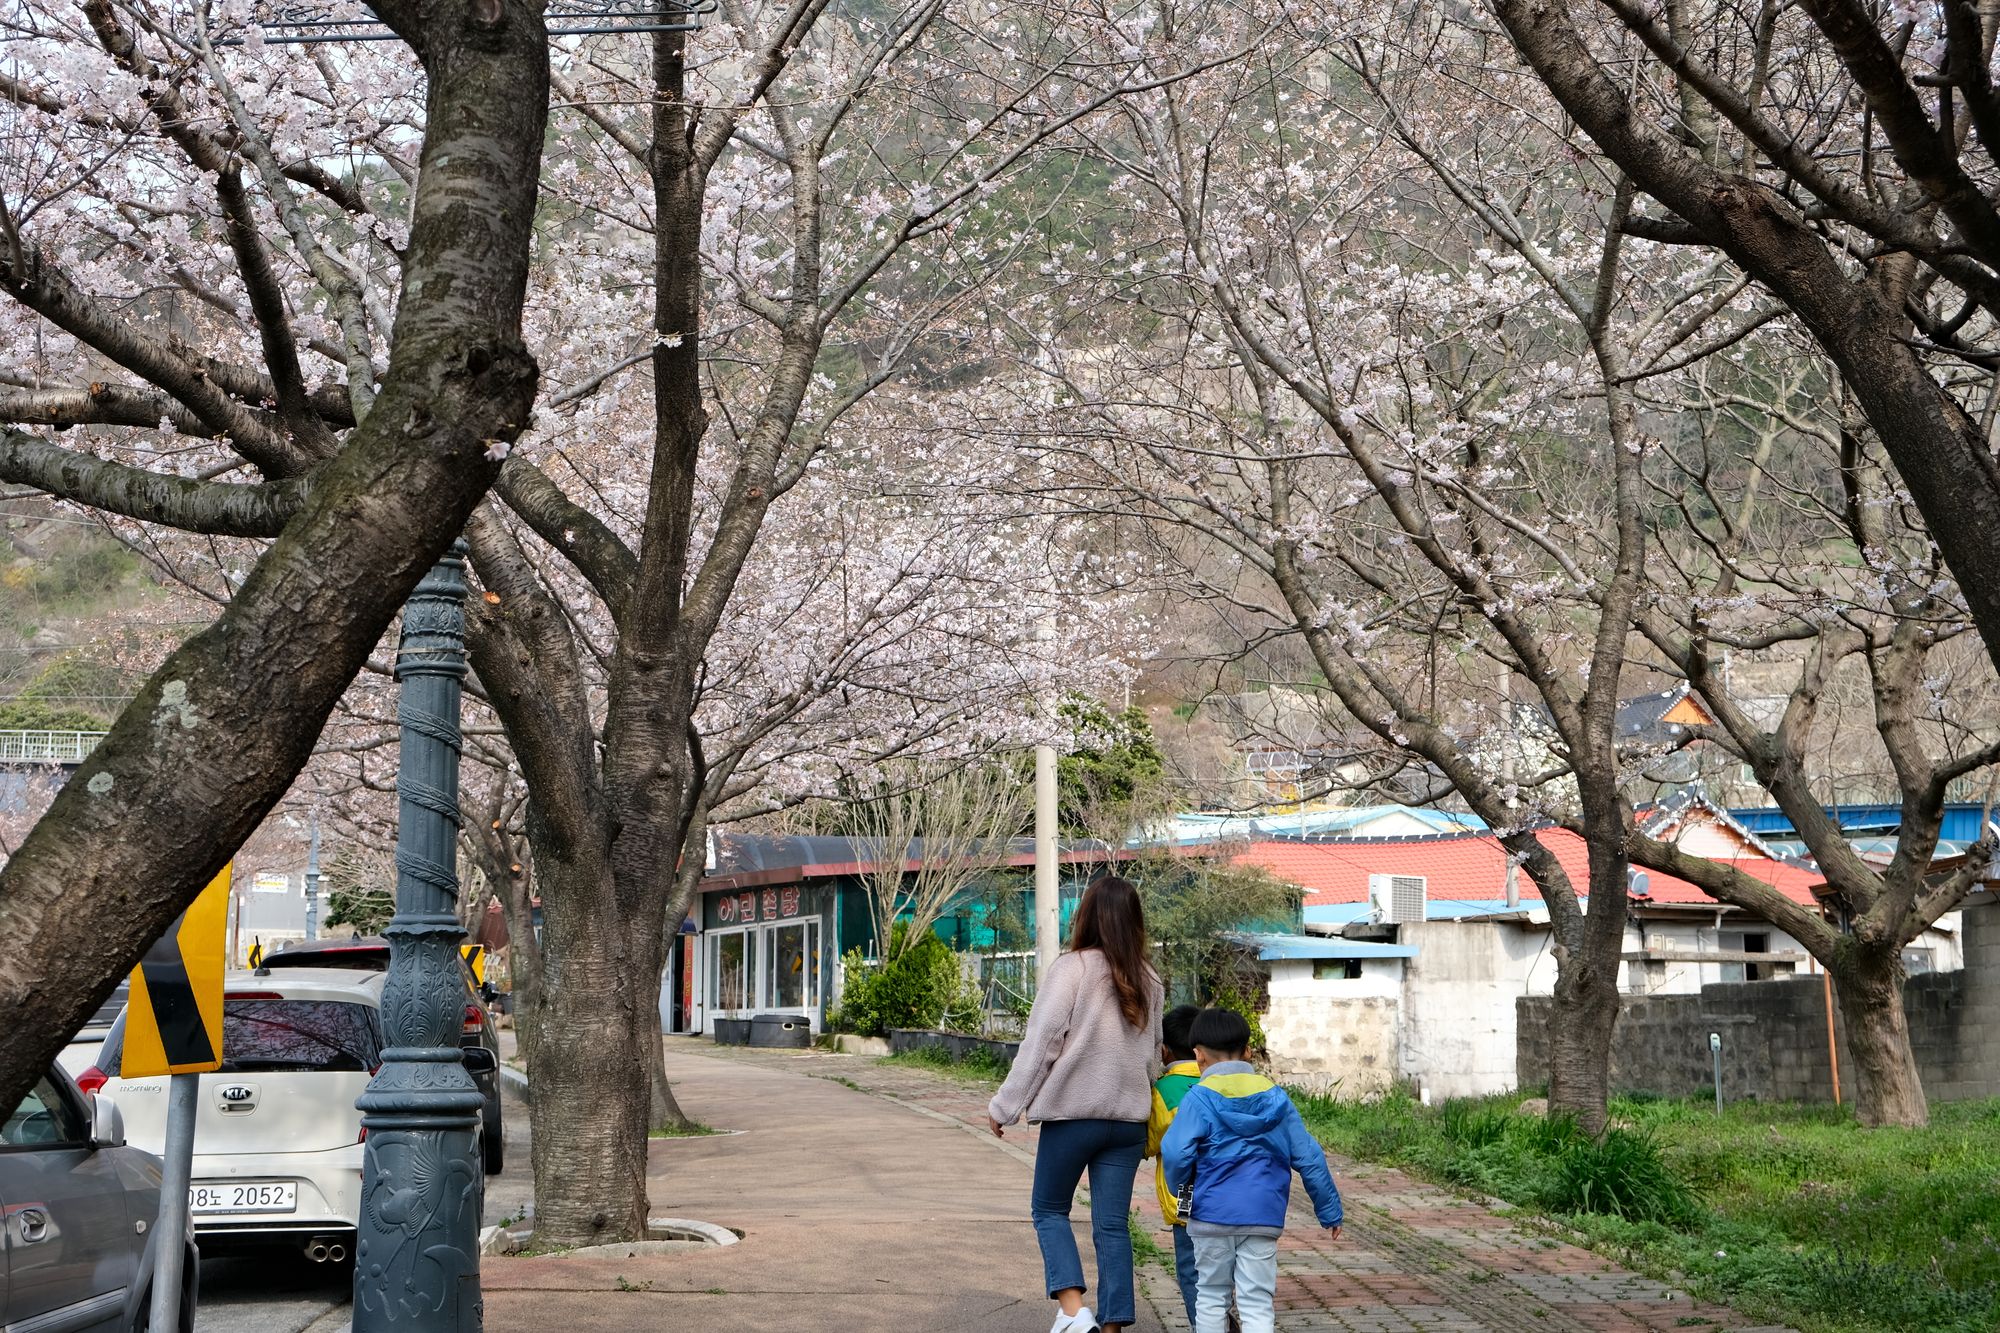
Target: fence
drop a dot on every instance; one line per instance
(1774, 1034)
(47, 747)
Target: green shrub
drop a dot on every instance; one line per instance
(1622, 1174)
(922, 986)
(1238, 1003)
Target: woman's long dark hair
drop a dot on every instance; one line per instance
(1110, 920)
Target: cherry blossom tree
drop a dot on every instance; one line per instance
(1807, 561)
(798, 221)
(1362, 343)
(1842, 153)
(219, 258)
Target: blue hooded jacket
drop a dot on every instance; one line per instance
(1239, 1138)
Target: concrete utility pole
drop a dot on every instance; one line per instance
(422, 1187)
(312, 879)
(1048, 890)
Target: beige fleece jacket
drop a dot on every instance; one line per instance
(1080, 1059)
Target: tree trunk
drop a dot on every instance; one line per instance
(1580, 1029)
(666, 1108)
(1586, 997)
(524, 954)
(588, 1093)
(1868, 984)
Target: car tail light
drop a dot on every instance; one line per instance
(91, 1079)
(475, 1021)
(363, 1138)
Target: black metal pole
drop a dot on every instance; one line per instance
(417, 1252)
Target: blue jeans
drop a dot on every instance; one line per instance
(1109, 1150)
(1184, 1269)
(1247, 1265)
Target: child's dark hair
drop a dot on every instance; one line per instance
(1176, 1030)
(1223, 1031)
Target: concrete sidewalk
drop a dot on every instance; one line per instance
(872, 1197)
(1413, 1257)
(857, 1212)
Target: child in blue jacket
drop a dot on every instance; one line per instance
(1229, 1155)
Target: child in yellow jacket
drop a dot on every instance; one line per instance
(1182, 1073)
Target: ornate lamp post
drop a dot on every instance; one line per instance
(416, 1255)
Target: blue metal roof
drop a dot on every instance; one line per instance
(1961, 819)
(1270, 947)
(1347, 914)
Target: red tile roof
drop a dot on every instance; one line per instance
(1472, 868)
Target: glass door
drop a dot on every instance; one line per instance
(732, 970)
(791, 966)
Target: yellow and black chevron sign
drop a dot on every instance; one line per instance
(173, 1024)
(475, 959)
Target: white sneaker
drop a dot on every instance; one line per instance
(1083, 1321)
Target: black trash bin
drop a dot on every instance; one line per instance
(784, 1031)
(732, 1031)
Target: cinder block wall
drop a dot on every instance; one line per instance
(1774, 1034)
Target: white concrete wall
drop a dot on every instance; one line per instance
(1458, 1002)
(1334, 1033)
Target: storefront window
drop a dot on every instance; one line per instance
(791, 961)
(733, 970)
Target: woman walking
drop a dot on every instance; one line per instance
(1085, 1075)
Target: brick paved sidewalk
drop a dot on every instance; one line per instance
(1412, 1257)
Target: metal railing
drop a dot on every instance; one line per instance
(47, 747)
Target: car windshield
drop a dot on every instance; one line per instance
(277, 1034)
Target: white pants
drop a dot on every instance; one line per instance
(1247, 1265)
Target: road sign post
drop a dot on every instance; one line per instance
(1715, 1050)
(176, 1169)
(173, 1025)
(422, 1186)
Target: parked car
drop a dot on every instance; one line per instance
(81, 1053)
(370, 953)
(79, 1205)
(278, 1140)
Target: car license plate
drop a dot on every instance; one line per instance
(255, 1196)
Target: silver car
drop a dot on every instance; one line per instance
(79, 1209)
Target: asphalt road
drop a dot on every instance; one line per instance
(280, 1291)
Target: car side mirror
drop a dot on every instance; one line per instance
(107, 1123)
(479, 1060)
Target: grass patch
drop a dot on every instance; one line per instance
(1145, 1250)
(1792, 1214)
(691, 1130)
(978, 1066)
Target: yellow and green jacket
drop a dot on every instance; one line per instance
(1167, 1094)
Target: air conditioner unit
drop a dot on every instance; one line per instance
(1395, 899)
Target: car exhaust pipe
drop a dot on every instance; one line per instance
(335, 1253)
(317, 1250)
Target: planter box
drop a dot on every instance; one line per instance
(956, 1043)
(732, 1032)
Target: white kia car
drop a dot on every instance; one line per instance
(278, 1143)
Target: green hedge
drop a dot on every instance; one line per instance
(922, 986)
